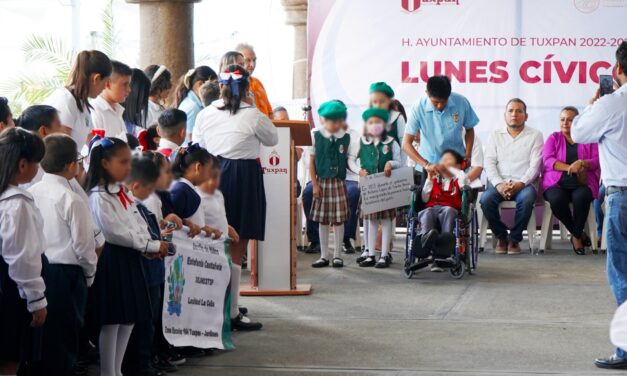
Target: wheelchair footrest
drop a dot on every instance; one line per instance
(419, 264)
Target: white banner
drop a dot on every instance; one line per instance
(550, 53)
(197, 280)
(379, 192)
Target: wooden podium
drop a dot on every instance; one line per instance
(273, 261)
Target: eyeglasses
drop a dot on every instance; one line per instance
(79, 158)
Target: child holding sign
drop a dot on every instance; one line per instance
(378, 152)
(331, 153)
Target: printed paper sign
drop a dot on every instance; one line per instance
(379, 192)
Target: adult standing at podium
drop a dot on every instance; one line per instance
(234, 130)
(256, 87)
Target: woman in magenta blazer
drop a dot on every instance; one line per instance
(571, 176)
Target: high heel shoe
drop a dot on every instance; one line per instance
(587, 242)
(578, 251)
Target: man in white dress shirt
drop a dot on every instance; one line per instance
(107, 112)
(605, 121)
(70, 249)
(513, 157)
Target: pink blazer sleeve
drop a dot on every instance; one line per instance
(550, 153)
(593, 158)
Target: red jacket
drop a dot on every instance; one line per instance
(452, 197)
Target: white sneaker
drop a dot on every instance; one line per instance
(436, 269)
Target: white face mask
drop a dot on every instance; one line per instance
(376, 129)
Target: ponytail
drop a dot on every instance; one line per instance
(233, 86)
(86, 64)
(100, 149)
(398, 106)
(186, 82)
(17, 144)
(187, 156)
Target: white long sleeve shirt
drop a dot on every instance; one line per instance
(67, 225)
(236, 136)
(70, 116)
(605, 122)
(517, 159)
(22, 244)
(109, 118)
(214, 211)
(122, 226)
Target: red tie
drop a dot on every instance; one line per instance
(124, 199)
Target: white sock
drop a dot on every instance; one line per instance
(107, 343)
(386, 229)
(236, 278)
(373, 226)
(124, 334)
(324, 241)
(339, 240)
(366, 247)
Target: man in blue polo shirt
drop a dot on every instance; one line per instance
(437, 122)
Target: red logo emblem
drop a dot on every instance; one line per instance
(274, 158)
(410, 5)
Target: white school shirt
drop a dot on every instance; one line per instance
(238, 136)
(154, 204)
(67, 225)
(605, 122)
(120, 226)
(214, 211)
(108, 118)
(154, 110)
(22, 244)
(516, 159)
(458, 175)
(70, 116)
(76, 187)
(167, 144)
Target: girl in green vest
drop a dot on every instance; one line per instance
(330, 154)
(378, 152)
(382, 96)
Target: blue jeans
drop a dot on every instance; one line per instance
(616, 211)
(352, 190)
(598, 213)
(490, 201)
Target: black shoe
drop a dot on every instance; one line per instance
(314, 247)
(613, 362)
(175, 358)
(163, 364)
(383, 262)
(243, 310)
(237, 324)
(348, 247)
(191, 352)
(587, 242)
(337, 262)
(578, 251)
(368, 262)
(321, 263)
(429, 239)
(361, 258)
(151, 371)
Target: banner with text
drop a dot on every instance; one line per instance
(196, 293)
(380, 192)
(549, 53)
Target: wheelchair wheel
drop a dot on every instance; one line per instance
(406, 271)
(457, 272)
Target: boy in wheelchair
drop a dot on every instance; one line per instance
(442, 196)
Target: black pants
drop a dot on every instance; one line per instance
(560, 198)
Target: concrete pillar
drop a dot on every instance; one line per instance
(296, 11)
(166, 34)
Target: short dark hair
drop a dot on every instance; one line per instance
(570, 108)
(517, 100)
(186, 158)
(621, 56)
(171, 121)
(159, 159)
(143, 170)
(37, 116)
(5, 110)
(458, 157)
(60, 151)
(439, 87)
(132, 141)
(209, 92)
(120, 68)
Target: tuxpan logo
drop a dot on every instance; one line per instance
(412, 6)
(274, 160)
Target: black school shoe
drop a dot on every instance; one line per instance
(429, 239)
(363, 257)
(243, 324)
(383, 262)
(321, 263)
(348, 247)
(243, 310)
(314, 247)
(368, 262)
(337, 262)
(613, 362)
(163, 364)
(151, 371)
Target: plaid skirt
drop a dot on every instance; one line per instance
(332, 207)
(383, 214)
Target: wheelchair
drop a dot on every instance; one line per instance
(464, 243)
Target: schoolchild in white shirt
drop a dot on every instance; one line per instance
(22, 300)
(108, 111)
(382, 96)
(122, 297)
(71, 252)
(160, 88)
(89, 75)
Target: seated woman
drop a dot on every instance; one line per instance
(442, 196)
(571, 176)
